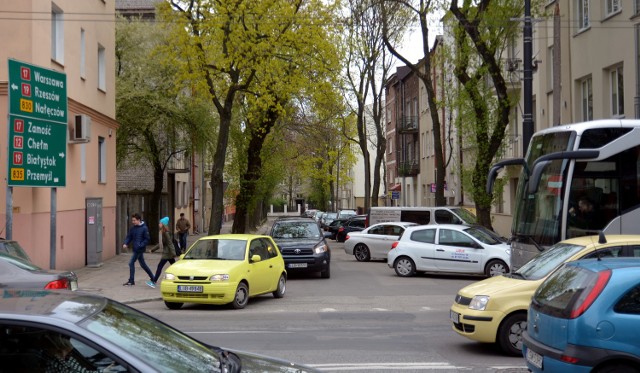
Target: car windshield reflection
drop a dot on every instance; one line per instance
(154, 342)
(217, 249)
(296, 230)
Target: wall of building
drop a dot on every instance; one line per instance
(29, 24)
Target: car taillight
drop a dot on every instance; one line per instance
(394, 245)
(346, 238)
(58, 284)
(584, 302)
(340, 229)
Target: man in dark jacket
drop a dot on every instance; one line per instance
(139, 238)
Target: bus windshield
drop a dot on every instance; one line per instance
(538, 215)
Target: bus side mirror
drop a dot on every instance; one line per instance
(534, 180)
(493, 172)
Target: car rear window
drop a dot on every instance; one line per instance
(562, 290)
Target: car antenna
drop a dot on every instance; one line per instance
(601, 240)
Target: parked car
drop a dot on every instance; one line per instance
(327, 218)
(19, 273)
(374, 242)
(333, 228)
(98, 334)
(309, 213)
(355, 223)
(585, 318)
(303, 245)
(317, 216)
(449, 248)
(225, 269)
(422, 215)
(13, 248)
(345, 214)
(495, 310)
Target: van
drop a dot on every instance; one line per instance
(421, 215)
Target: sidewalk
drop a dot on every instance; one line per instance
(107, 279)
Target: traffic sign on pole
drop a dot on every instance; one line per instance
(37, 152)
(37, 92)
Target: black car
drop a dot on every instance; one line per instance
(353, 224)
(303, 245)
(333, 227)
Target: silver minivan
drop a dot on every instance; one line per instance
(422, 215)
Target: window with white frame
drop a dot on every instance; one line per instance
(611, 7)
(586, 99)
(390, 144)
(57, 34)
(616, 78)
(102, 71)
(582, 14)
(102, 160)
(83, 53)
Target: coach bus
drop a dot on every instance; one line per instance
(595, 164)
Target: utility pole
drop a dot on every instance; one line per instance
(527, 116)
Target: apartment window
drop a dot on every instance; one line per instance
(390, 145)
(550, 69)
(586, 98)
(617, 91)
(102, 160)
(582, 14)
(102, 71)
(83, 53)
(636, 7)
(611, 7)
(57, 34)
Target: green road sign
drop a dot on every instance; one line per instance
(37, 92)
(37, 152)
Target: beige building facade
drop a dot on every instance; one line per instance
(76, 38)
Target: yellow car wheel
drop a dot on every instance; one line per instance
(242, 296)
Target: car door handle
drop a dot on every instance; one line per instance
(439, 250)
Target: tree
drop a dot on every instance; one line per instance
(156, 122)
(481, 34)
(420, 10)
(367, 63)
(254, 53)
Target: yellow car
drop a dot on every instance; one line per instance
(225, 269)
(495, 309)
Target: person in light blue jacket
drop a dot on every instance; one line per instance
(139, 238)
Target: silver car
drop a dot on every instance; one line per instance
(20, 273)
(374, 242)
(42, 331)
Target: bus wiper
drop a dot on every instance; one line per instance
(530, 238)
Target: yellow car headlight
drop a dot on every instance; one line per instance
(224, 277)
(479, 302)
(169, 276)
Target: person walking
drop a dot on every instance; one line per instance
(182, 226)
(168, 252)
(138, 237)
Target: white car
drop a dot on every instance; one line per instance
(449, 248)
(374, 242)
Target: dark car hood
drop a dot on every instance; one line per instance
(297, 242)
(251, 362)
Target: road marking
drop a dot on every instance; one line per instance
(408, 366)
(327, 310)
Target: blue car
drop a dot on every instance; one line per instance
(586, 318)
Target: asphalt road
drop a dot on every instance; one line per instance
(363, 319)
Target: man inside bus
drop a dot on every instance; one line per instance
(584, 216)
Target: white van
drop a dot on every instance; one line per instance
(422, 215)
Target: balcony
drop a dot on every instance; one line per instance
(409, 168)
(408, 124)
(179, 163)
